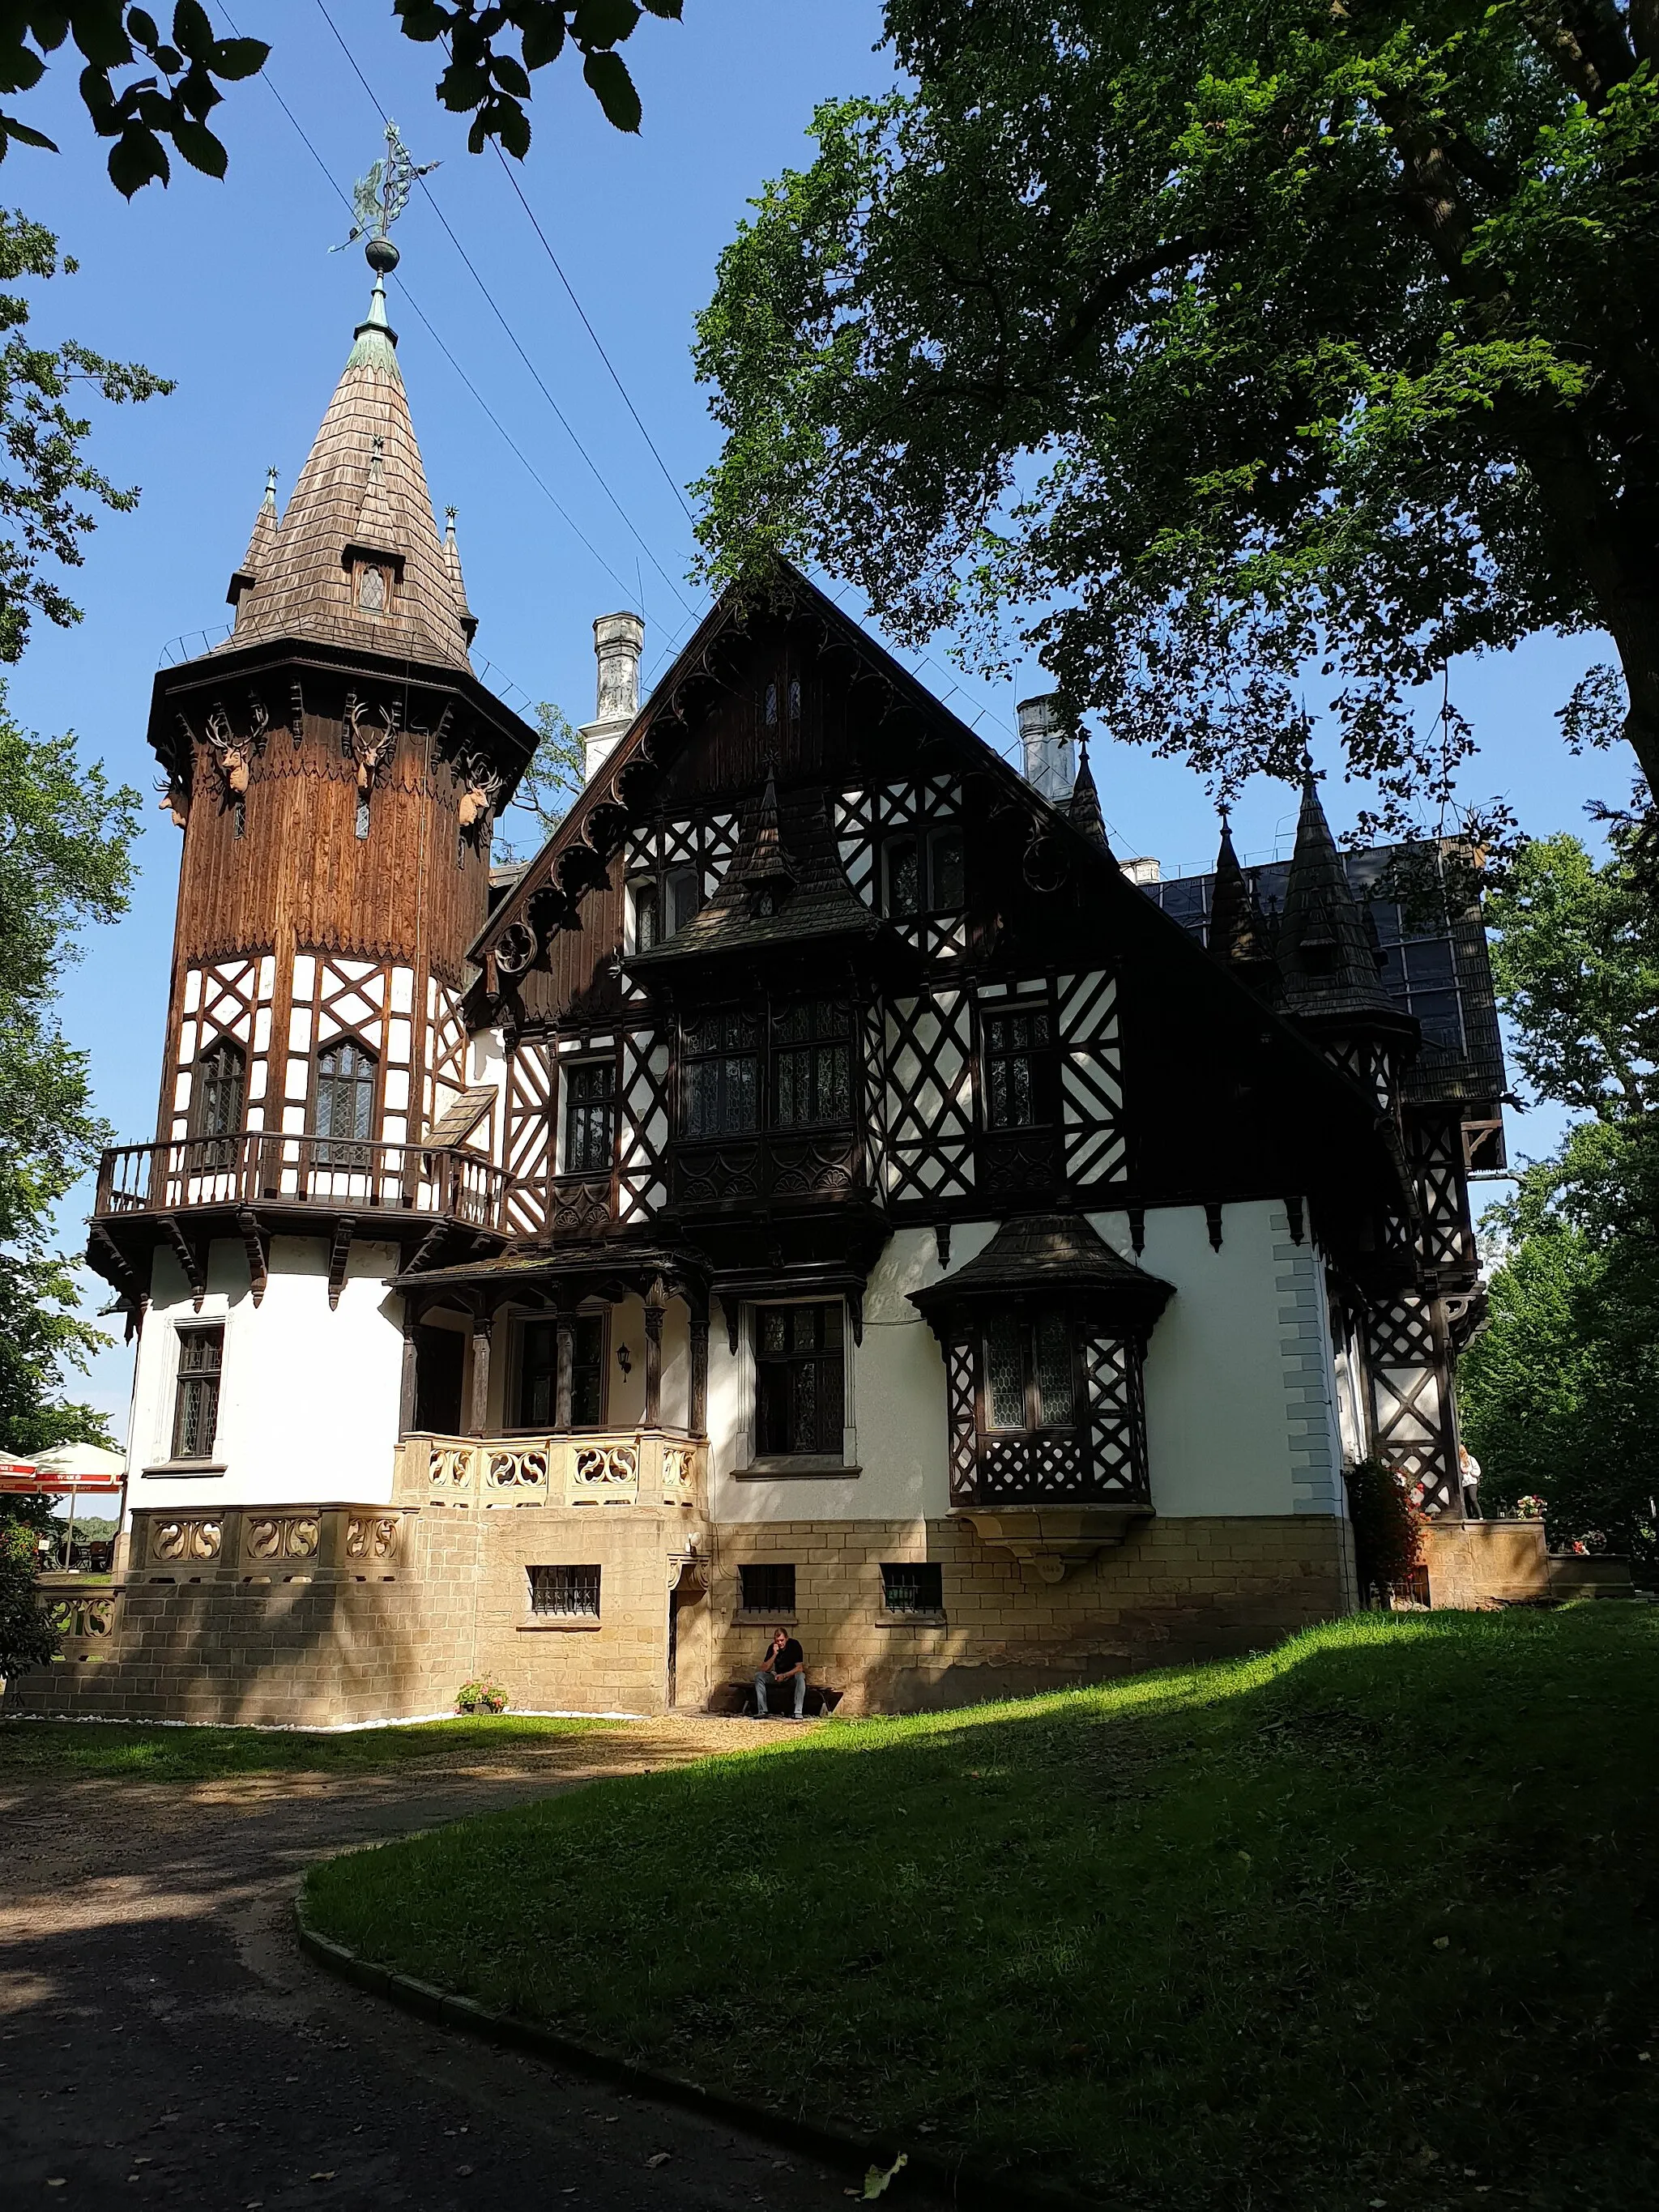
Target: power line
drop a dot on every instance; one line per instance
(558, 272)
(404, 293)
(598, 474)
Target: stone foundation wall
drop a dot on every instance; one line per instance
(1174, 1591)
(305, 1642)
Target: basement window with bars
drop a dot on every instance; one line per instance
(914, 1586)
(768, 1589)
(196, 1405)
(565, 1593)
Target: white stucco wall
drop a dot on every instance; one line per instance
(308, 1396)
(1240, 1385)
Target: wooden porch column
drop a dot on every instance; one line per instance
(656, 1298)
(408, 1393)
(698, 1412)
(564, 1340)
(478, 1424)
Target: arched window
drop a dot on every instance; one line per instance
(371, 591)
(221, 1074)
(345, 1104)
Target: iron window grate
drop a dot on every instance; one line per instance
(768, 1589)
(565, 1593)
(913, 1586)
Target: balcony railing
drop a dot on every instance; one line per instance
(262, 1167)
(628, 1466)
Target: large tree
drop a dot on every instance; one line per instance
(1561, 1391)
(1218, 347)
(144, 89)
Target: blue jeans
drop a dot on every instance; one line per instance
(796, 1682)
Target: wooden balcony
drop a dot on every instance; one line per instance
(624, 1466)
(262, 1168)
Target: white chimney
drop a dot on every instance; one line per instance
(1050, 754)
(618, 641)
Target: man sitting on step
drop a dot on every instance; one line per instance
(784, 1662)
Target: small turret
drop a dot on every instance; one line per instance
(1328, 961)
(1241, 935)
(261, 546)
(1084, 806)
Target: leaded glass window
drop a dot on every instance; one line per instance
(719, 1075)
(590, 1115)
(345, 1104)
(800, 1380)
(811, 1064)
(1017, 1069)
(195, 1406)
(220, 1074)
(1030, 1373)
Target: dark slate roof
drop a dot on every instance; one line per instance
(787, 887)
(1435, 968)
(1045, 1252)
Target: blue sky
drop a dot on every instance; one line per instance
(230, 289)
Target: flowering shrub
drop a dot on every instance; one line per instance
(481, 1697)
(1529, 1508)
(1387, 1526)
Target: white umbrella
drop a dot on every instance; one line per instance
(82, 1462)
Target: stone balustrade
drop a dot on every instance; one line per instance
(633, 1466)
(267, 1543)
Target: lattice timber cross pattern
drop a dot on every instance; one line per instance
(1411, 1403)
(1090, 1078)
(929, 1096)
(529, 1133)
(642, 1182)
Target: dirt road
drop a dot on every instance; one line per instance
(163, 2039)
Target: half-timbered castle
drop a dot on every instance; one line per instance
(824, 1186)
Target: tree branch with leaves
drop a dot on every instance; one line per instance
(1221, 350)
(148, 92)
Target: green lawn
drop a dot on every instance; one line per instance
(66, 1750)
(1370, 1919)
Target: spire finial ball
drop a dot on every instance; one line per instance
(382, 256)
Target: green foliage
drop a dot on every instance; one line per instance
(1387, 1529)
(1559, 1394)
(46, 480)
(481, 1696)
(1575, 953)
(25, 1638)
(65, 834)
(1207, 342)
(111, 36)
(174, 83)
(1169, 1943)
(552, 781)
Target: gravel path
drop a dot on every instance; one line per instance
(163, 2040)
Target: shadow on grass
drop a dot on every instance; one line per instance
(73, 1751)
(1368, 1917)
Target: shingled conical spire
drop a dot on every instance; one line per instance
(1326, 952)
(1240, 936)
(1083, 806)
(356, 559)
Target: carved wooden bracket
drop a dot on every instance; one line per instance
(339, 1253)
(257, 1245)
(188, 1259)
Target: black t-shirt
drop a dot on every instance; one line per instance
(790, 1656)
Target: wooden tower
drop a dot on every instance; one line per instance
(336, 768)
